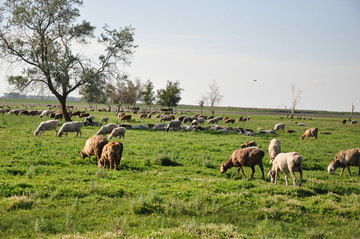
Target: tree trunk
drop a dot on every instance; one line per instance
(66, 115)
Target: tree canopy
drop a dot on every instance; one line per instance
(43, 36)
(170, 96)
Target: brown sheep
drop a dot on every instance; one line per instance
(345, 159)
(312, 132)
(229, 120)
(245, 157)
(125, 118)
(94, 146)
(111, 155)
(248, 144)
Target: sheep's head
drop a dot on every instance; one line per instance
(59, 134)
(36, 133)
(223, 168)
(331, 169)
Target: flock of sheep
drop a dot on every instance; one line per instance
(109, 154)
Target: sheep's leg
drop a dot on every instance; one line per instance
(276, 177)
(252, 172)
(301, 176)
(262, 171)
(342, 171)
(348, 167)
(286, 179)
(293, 177)
(242, 170)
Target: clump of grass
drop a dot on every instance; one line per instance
(20, 202)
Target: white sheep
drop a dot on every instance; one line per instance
(46, 126)
(118, 132)
(174, 124)
(106, 129)
(74, 126)
(279, 126)
(288, 163)
(274, 148)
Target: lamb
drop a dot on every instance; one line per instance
(345, 159)
(46, 126)
(245, 157)
(279, 126)
(106, 129)
(94, 146)
(274, 148)
(74, 126)
(174, 124)
(288, 163)
(118, 132)
(111, 155)
(312, 132)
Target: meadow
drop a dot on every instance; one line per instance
(169, 184)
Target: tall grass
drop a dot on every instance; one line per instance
(169, 185)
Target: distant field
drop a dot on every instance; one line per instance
(169, 184)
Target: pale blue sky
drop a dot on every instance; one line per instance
(314, 44)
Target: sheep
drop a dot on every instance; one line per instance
(352, 122)
(111, 155)
(245, 157)
(161, 126)
(267, 131)
(279, 126)
(74, 126)
(94, 146)
(104, 119)
(118, 132)
(274, 148)
(230, 120)
(248, 144)
(46, 126)
(345, 159)
(174, 124)
(106, 129)
(312, 132)
(167, 118)
(288, 163)
(45, 113)
(125, 118)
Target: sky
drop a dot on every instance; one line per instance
(253, 49)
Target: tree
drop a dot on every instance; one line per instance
(125, 92)
(202, 103)
(170, 96)
(93, 91)
(42, 36)
(148, 94)
(213, 97)
(296, 99)
(352, 112)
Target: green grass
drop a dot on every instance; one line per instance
(169, 185)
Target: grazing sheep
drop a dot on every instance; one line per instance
(312, 132)
(58, 116)
(274, 148)
(287, 163)
(167, 118)
(118, 132)
(345, 159)
(45, 113)
(353, 122)
(174, 125)
(111, 155)
(74, 126)
(158, 126)
(279, 126)
(267, 131)
(248, 144)
(46, 126)
(94, 146)
(125, 118)
(230, 120)
(245, 157)
(106, 129)
(104, 119)
(213, 121)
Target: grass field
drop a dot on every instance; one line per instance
(169, 185)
